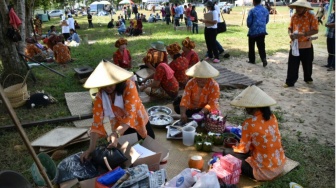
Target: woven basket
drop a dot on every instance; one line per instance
(17, 93)
(213, 125)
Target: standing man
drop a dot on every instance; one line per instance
(89, 17)
(71, 22)
(320, 14)
(135, 11)
(331, 40)
(302, 25)
(167, 10)
(178, 13)
(189, 23)
(256, 22)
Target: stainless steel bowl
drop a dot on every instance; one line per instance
(160, 120)
(159, 110)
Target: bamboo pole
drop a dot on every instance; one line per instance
(24, 136)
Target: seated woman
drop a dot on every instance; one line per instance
(188, 52)
(121, 28)
(132, 26)
(122, 56)
(74, 36)
(110, 24)
(138, 29)
(164, 84)
(115, 88)
(179, 64)
(77, 25)
(31, 49)
(151, 18)
(157, 16)
(201, 93)
(143, 18)
(260, 148)
(61, 51)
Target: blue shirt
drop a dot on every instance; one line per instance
(74, 37)
(178, 11)
(257, 19)
(331, 31)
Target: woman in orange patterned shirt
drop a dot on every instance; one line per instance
(179, 64)
(122, 56)
(188, 52)
(117, 99)
(31, 49)
(201, 93)
(61, 51)
(162, 84)
(260, 148)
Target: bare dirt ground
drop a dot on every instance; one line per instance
(308, 110)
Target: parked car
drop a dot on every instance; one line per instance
(225, 7)
(56, 13)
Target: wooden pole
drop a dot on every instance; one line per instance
(243, 8)
(56, 120)
(24, 137)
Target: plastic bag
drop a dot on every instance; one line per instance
(295, 46)
(183, 180)
(112, 176)
(207, 180)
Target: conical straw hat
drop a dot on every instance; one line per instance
(202, 69)
(301, 3)
(105, 74)
(253, 97)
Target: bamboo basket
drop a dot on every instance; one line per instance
(17, 94)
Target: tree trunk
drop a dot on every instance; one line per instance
(9, 57)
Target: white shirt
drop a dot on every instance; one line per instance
(218, 10)
(71, 23)
(214, 17)
(66, 29)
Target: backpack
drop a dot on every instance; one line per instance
(13, 34)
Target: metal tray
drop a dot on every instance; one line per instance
(160, 120)
(159, 110)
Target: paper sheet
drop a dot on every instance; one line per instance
(143, 152)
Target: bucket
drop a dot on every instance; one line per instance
(188, 135)
(12, 179)
(48, 165)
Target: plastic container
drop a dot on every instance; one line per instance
(12, 179)
(188, 135)
(50, 169)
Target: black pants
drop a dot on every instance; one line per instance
(195, 27)
(210, 35)
(149, 129)
(66, 36)
(260, 40)
(177, 21)
(319, 19)
(167, 19)
(246, 168)
(90, 24)
(189, 112)
(331, 52)
(306, 57)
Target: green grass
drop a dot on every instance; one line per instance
(317, 161)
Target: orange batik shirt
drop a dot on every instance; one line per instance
(31, 50)
(192, 57)
(206, 97)
(304, 23)
(134, 113)
(262, 138)
(61, 53)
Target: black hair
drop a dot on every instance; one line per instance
(120, 87)
(266, 112)
(73, 30)
(257, 2)
(52, 27)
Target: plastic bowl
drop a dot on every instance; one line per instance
(49, 166)
(12, 179)
(198, 117)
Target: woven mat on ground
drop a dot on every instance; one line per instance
(79, 103)
(230, 79)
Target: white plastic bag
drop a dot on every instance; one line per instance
(207, 180)
(295, 46)
(183, 180)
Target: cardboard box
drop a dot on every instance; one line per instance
(230, 163)
(234, 179)
(208, 16)
(221, 173)
(125, 144)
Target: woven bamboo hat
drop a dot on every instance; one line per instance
(202, 69)
(105, 74)
(253, 97)
(301, 3)
(159, 45)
